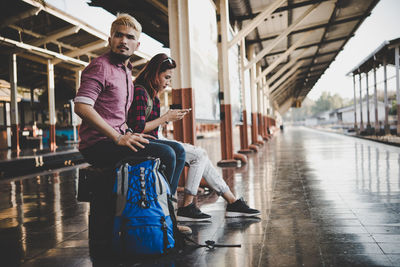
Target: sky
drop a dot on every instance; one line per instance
(383, 24)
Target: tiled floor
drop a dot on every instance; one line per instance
(326, 200)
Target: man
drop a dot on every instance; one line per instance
(105, 95)
(103, 100)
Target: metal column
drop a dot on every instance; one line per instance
(355, 105)
(244, 139)
(76, 120)
(361, 104)
(52, 107)
(14, 103)
(377, 127)
(226, 113)
(182, 91)
(397, 64)
(387, 127)
(253, 91)
(368, 113)
(260, 105)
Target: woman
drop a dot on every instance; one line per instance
(144, 117)
(144, 114)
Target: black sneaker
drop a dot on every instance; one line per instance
(191, 213)
(239, 208)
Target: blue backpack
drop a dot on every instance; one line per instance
(142, 222)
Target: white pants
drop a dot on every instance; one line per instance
(201, 166)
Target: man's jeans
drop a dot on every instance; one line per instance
(172, 155)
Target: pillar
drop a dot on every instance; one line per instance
(52, 107)
(244, 139)
(361, 104)
(355, 105)
(368, 113)
(397, 64)
(377, 127)
(14, 103)
(76, 120)
(387, 127)
(259, 105)
(253, 92)
(182, 91)
(225, 94)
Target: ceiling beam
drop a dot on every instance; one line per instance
(255, 22)
(41, 51)
(307, 28)
(40, 36)
(282, 57)
(67, 18)
(281, 9)
(139, 62)
(312, 44)
(285, 77)
(284, 68)
(26, 14)
(331, 19)
(159, 5)
(51, 37)
(83, 50)
(267, 49)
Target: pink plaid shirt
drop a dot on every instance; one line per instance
(107, 85)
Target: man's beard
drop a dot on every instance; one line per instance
(120, 57)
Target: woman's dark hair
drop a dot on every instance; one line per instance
(148, 76)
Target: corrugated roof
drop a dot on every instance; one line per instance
(319, 29)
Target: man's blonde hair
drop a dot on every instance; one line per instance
(128, 21)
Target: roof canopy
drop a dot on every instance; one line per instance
(304, 36)
(38, 32)
(384, 52)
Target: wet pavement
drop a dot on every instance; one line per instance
(326, 200)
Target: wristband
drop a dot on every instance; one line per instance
(118, 139)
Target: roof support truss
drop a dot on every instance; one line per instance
(255, 22)
(284, 68)
(55, 36)
(285, 77)
(284, 34)
(282, 57)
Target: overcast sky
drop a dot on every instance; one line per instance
(383, 24)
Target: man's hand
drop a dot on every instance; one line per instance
(133, 140)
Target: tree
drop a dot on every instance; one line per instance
(327, 102)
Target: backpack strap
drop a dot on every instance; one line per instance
(149, 106)
(164, 228)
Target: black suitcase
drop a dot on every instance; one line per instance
(95, 185)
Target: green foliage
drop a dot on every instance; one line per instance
(393, 108)
(327, 102)
(310, 108)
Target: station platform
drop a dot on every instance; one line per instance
(326, 200)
